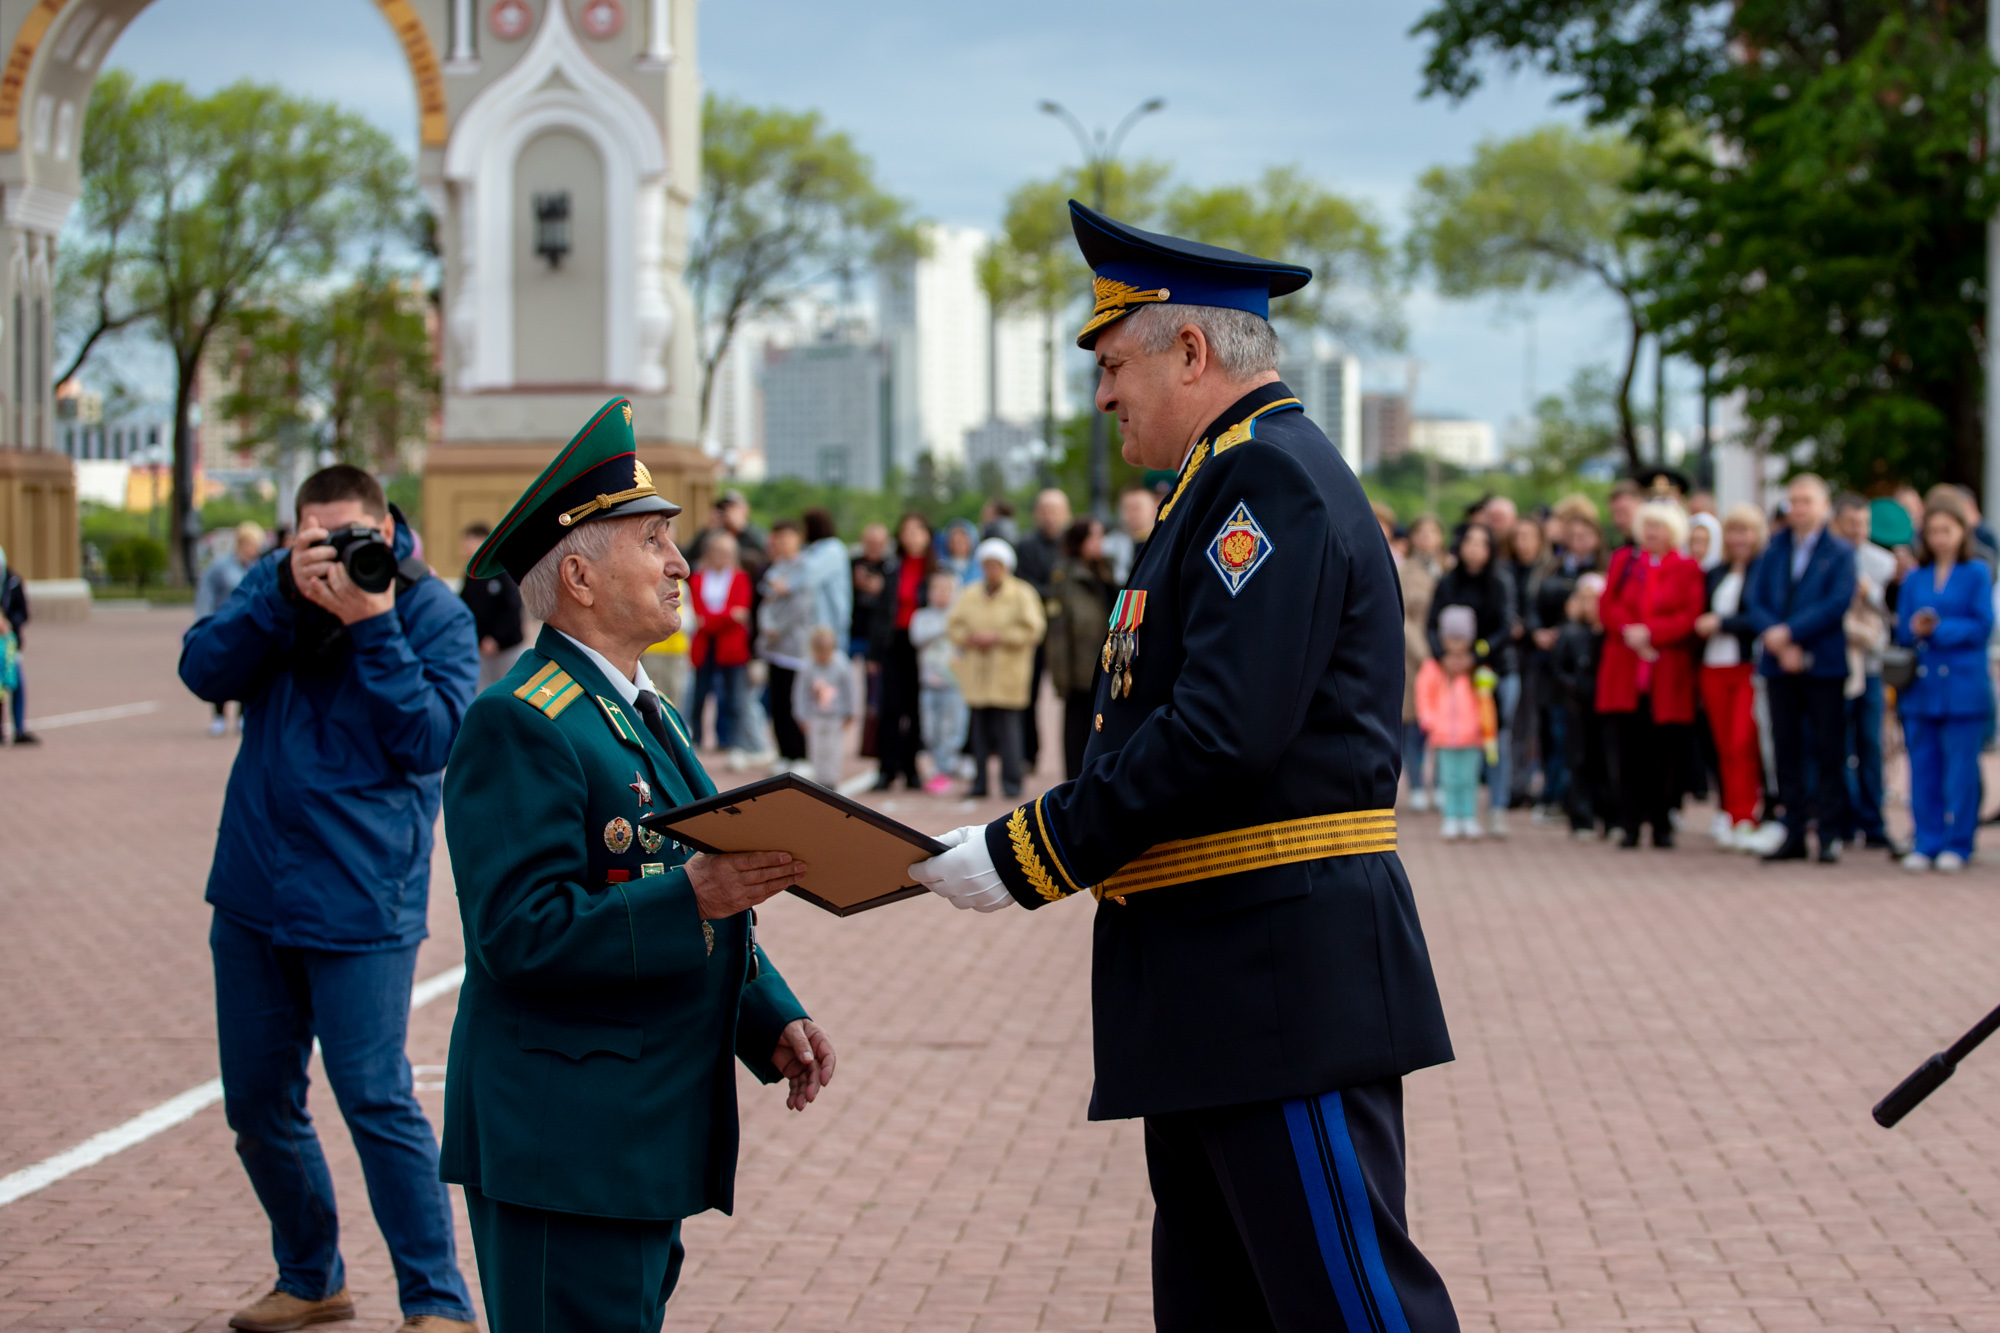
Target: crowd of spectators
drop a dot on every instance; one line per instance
(945, 635)
(1608, 677)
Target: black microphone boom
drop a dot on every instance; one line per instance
(1929, 1076)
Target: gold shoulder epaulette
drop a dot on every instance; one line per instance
(549, 691)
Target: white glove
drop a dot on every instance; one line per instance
(964, 874)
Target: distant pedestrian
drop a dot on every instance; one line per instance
(495, 604)
(1420, 571)
(218, 581)
(940, 702)
(719, 650)
(960, 537)
(1038, 552)
(1480, 581)
(823, 703)
(1138, 511)
(997, 624)
(14, 606)
(1798, 594)
(1574, 664)
(1448, 707)
(1645, 684)
(899, 730)
(1728, 690)
(1081, 590)
(784, 632)
(1945, 612)
(1868, 626)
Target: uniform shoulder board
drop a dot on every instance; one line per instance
(549, 691)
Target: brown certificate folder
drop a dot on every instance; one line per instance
(857, 858)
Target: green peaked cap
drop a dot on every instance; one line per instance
(596, 475)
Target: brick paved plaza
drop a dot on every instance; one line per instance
(1658, 1119)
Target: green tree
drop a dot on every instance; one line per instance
(221, 202)
(1574, 431)
(351, 369)
(1033, 265)
(1287, 216)
(136, 560)
(785, 203)
(1820, 187)
(1545, 210)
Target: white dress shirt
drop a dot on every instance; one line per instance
(628, 690)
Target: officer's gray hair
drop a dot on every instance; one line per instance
(1241, 343)
(541, 590)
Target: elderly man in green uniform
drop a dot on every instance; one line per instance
(1259, 979)
(611, 976)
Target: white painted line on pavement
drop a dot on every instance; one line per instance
(90, 715)
(167, 1114)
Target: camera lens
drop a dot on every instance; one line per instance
(371, 564)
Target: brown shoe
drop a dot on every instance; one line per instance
(280, 1312)
(436, 1323)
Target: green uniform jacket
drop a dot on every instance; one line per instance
(590, 1062)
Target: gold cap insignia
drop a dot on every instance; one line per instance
(1115, 300)
(628, 412)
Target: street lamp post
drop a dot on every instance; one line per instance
(1100, 150)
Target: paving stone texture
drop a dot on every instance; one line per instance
(1658, 1119)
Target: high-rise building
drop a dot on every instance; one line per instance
(954, 367)
(1457, 440)
(935, 321)
(1328, 384)
(823, 411)
(1385, 428)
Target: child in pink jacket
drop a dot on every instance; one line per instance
(1448, 709)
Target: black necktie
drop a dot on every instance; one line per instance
(648, 704)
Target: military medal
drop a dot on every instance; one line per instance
(1121, 645)
(708, 936)
(641, 787)
(618, 835)
(649, 841)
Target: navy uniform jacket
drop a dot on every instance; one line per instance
(591, 1062)
(1257, 698)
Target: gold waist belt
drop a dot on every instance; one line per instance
(1256, 848)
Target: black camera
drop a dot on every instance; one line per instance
(370, 560)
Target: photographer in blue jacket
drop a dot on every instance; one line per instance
(355, 667)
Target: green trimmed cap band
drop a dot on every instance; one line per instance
(597, 475)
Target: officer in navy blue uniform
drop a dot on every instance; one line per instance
(1260, 982)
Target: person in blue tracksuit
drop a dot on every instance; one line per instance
(1945, 612)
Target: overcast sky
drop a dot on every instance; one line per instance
(943, 98)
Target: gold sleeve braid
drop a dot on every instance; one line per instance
(1028, 859)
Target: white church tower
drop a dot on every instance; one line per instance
(560, 147)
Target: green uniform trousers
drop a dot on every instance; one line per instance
(545, 1272)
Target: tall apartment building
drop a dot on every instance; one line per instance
(1457, 440)
(824, 410)
(1328, 384)
(1385, 428)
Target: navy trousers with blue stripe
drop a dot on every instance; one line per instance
(1288, 1216)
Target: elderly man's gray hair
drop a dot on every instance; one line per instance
(541, 590)
(1241, 343)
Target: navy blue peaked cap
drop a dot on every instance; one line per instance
(1134, 268)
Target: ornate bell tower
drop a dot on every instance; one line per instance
(562, 195)
(560, 148)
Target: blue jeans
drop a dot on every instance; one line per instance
(726, 684)
(1413, 755)
(1555, 756)
(270, 1003)
(1506, 696)
(1864, 763)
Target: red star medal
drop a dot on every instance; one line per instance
(643, 788)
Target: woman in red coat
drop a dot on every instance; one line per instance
(1645, 686)
(719, 593)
